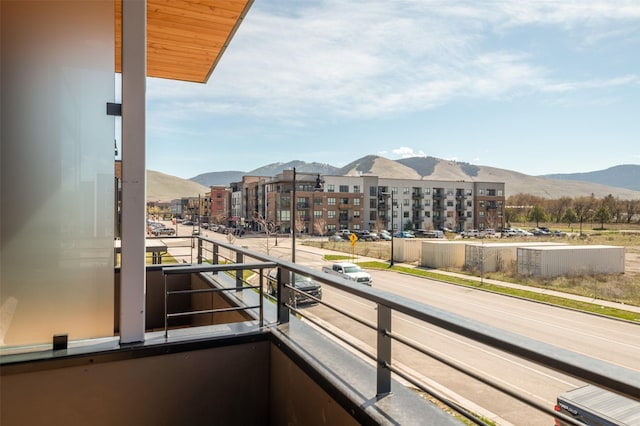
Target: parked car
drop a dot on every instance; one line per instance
(306, 286)
(385, 236)
(335, 238)
(540, 232)
(423, 233)
(163, 231)
(363, 235)
(404, 234)
(470, 233)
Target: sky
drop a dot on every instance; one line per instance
(537, 87)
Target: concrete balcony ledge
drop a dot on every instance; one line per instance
(225, 374)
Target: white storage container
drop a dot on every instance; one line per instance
(443, 254)
(492, 257)
(406, 249)
(570, 260)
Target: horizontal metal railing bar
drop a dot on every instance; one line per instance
(211, 290)
(200, 267)
(335, 309)
(210, 311)
(333, 333)
(466, 371)
(615, 378)
(439, 396)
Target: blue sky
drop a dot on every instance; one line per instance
(532, 86)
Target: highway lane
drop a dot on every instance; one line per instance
(609, 340)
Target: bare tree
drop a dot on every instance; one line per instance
(583, 208)
(556, 208)
(268, 226)
(320, 226)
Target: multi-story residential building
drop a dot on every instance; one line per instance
(330, 203)
(217, 206)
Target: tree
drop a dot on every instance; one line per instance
(631, 208)
(537, 214)
(320, 226)
(602, 215)
(583, 207)
(569, 216)
(556, 208)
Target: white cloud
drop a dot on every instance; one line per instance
(406, 152)
(300, 61)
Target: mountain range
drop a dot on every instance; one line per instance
(620, 181)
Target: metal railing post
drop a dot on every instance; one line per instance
(166, 317)
(239, 272)
(383, 376)
(216, 250)
(261, 293)
(199, 260)
(283, 296)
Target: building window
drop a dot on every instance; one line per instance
(331, 228)
(405, 190)
(427, 191)
(427, 214)
(405, 215)
(317, 214)
(344, 188)
(285, 215)
(331, 214)
(373, 215)
(356, 201)
(331, 201)
(427, 203)
(331, 188)
(499, 192)
(394, 190)
(469, 204)
(356, 188)
(481, 192)
(356, 213)
(344, 201)
(356, 226)
(469, 214)
(405, 203)
(449, 203)
(373, 203)
(373, 191)
(481, 213)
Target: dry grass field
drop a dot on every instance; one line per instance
(624, 288)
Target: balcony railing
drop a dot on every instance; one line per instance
(612, 377)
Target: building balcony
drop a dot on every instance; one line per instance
(219, 350)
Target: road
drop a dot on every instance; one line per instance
(605, 339)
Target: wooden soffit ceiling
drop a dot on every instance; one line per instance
(185, 38)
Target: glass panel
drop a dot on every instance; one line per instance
(57, 175)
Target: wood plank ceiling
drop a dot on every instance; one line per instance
(186, 38)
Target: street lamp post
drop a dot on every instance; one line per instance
(390, 195)
(293, 219)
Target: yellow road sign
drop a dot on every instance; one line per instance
(353, 238)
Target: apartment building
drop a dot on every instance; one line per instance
(326, 204)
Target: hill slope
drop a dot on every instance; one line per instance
(163, 187)
(623, 176)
